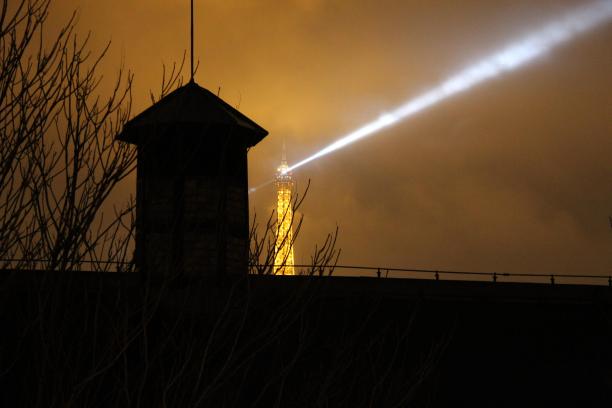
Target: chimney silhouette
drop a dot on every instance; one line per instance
(192, 212)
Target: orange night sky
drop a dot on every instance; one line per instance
(515, 175)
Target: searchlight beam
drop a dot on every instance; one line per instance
(511, 57)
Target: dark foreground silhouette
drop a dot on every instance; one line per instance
(108, 340)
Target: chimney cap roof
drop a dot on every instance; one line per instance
(192, 104)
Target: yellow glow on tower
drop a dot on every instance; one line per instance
(283, 249)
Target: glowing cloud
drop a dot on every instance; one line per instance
(513, 56)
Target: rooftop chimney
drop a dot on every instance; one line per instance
(192, 208)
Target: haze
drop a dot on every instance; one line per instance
(514, 175)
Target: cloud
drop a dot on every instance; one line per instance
(514, 175)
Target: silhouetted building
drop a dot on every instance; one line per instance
(192, 191)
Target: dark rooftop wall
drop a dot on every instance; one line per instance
(111, 340)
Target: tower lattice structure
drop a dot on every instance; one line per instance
(283, 250)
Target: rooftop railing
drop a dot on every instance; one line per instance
(445, 274)
(350, 271)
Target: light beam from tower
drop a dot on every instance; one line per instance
(283, 249)
(514, 56)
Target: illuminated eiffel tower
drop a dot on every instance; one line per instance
(283, 248)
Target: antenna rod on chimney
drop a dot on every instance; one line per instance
(191, 41)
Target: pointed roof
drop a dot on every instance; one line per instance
(192, 105)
